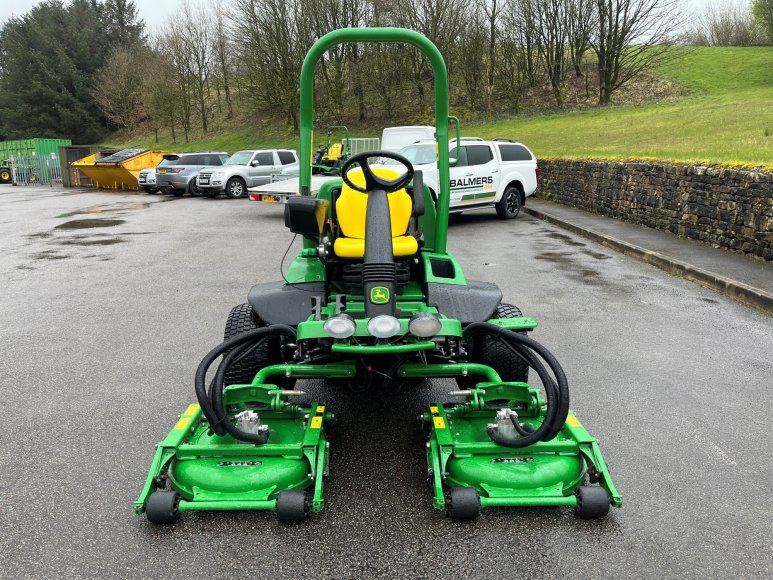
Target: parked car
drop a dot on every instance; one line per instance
(177, 173)
(147, 180)
(499, 174)
(244, 169)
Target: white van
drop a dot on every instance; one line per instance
(395, 138)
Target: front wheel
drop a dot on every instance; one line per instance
(236, 188)
(510, 205)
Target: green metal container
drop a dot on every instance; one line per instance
(29, 147)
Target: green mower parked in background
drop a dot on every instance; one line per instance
(329, 158)
(375, 301)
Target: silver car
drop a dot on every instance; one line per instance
(248, 168)
(176, 174)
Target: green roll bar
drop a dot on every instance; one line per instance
(348, 145)
(441, 109)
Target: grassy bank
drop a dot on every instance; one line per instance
(727, 118)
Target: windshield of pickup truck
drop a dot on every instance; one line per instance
(416, 154)
(239, 158)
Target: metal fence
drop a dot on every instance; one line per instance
(361, 144)
(36, 170)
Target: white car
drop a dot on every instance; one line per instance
(498, 174)
(147, 180)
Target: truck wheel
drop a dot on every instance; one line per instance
(489, 351)
(242, 318)
(510, 205)
(5, 175)
(235, 188)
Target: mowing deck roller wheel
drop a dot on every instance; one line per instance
(463, 503)
(592, 502)
(292, 506)
(161, 507)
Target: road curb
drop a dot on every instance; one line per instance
(734, 289)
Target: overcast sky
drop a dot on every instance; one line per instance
(154, 12)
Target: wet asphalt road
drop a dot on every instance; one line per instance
(108, 301)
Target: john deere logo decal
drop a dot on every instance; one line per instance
(379, 295)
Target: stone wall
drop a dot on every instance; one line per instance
(729, 208)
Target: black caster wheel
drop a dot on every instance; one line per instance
(592, 502)
(463, 503)
(292, 506)
(161, 507)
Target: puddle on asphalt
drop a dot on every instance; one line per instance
(89, 223)
(103, 209)
(97, 242)
(597, 255)
(564, 238)
(49, 255)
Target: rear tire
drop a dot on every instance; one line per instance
(235, 188)
(194, 189)
(509, 206)
(242, 318)
(5, 175)
(490, 351)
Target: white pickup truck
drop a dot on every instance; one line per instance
(499, 174)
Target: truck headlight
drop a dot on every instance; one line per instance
(339, 326)
(424, 324)
(383, 326)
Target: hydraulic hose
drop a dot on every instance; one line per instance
(556, 390)
(212, 403)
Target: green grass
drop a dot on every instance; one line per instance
(727, 119)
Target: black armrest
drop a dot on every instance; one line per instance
(417, 193)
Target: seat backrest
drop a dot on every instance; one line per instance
(351, 205)
(334, 153)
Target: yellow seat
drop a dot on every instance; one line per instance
(351, 209)
(334, 153)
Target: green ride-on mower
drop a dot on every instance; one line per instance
(329, 158)
(374, 300)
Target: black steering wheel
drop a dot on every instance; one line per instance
(373, 181)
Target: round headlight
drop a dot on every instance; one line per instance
(383, 326)
(340, 326)
(424, 324)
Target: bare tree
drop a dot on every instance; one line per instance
(727, 23)
(552, 40)
(580, 24)
(273, 37)
(221, 50)
(515, 54)
(439, 20)
(493, 10)
(633, 36)
(470, 56)
(197, 44)
(173, 47)
(118, 88)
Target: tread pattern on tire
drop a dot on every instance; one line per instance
(494, 353)
(242, 319)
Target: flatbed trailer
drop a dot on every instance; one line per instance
(281, 191)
